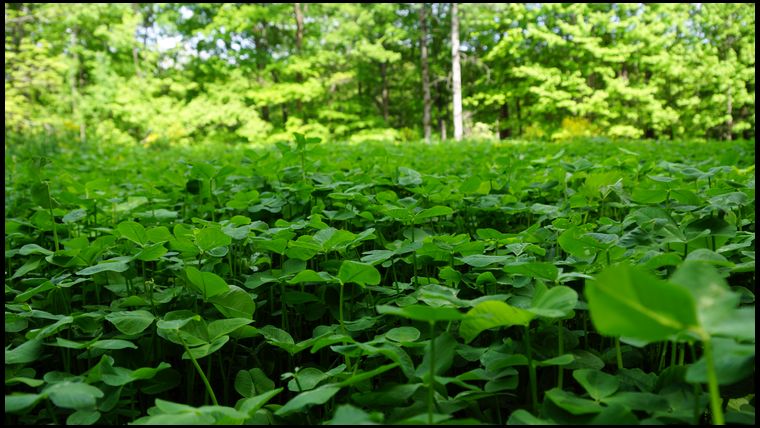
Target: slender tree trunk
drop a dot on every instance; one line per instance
(730, 113)
(456, 77)
(299, 43)
(425, 78)
(504, 131)
(519, 124)
(136, 60)
(439, 107)
(386, 100)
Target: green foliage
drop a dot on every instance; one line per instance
(316, 282)
(175, 74)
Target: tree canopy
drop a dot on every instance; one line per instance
(236, 72)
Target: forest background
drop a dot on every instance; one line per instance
(163, 74)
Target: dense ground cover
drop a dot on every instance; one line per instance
(304, 283)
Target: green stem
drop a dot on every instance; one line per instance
(431, 379)
(414, 260)
(664, 350)
(200, 372)
(340, 310)
(342, 325)
(531, 372)
(51, 411)
(618, 353)
(52, 218)
(560, 351)
(712, 383)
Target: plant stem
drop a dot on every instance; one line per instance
(431, 379)
(531, 372)
(560, 351)
(52, 217)
(342, 325)
(712, 382)
(200, 372)
(618, 353)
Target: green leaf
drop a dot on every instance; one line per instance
(219, 328)
(73, 395)
(83, 417)
(576, 241)
(572, 404)
(206, 349)
(27, 267)
(151, 252)
(489, 314)
(308, 398)
(481, 260)
(133, 231)
(249, 383)
(212, 237)
(309, 275)
(359, 273)
(562, 360)
(436, 211)
(41, 195)
(74, 216)
(627, 301)
(251, 405)
(20, 402)
(422, 312)
(347, 414)
(113, 344)
(28, 294)
(643, 401)
(235, 303)
(27, 352)
(644, 195)
(403, 334)
(733, 362)
(445, 346)
(131, 322)
(117, 266)
(556, 302)
(306, 379)
(716, 303)
(34, 249)
(541, 270)
(208, 284)
(523, 417)
(597, 383)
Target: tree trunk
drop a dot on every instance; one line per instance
(136, 60)
(299, 43)
(730, 113)
(505, 131)
(455, 73)
(425, 78)
(519, 125)
(439, 107)
(386, 101)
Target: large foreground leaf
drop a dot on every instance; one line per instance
(627, 301)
